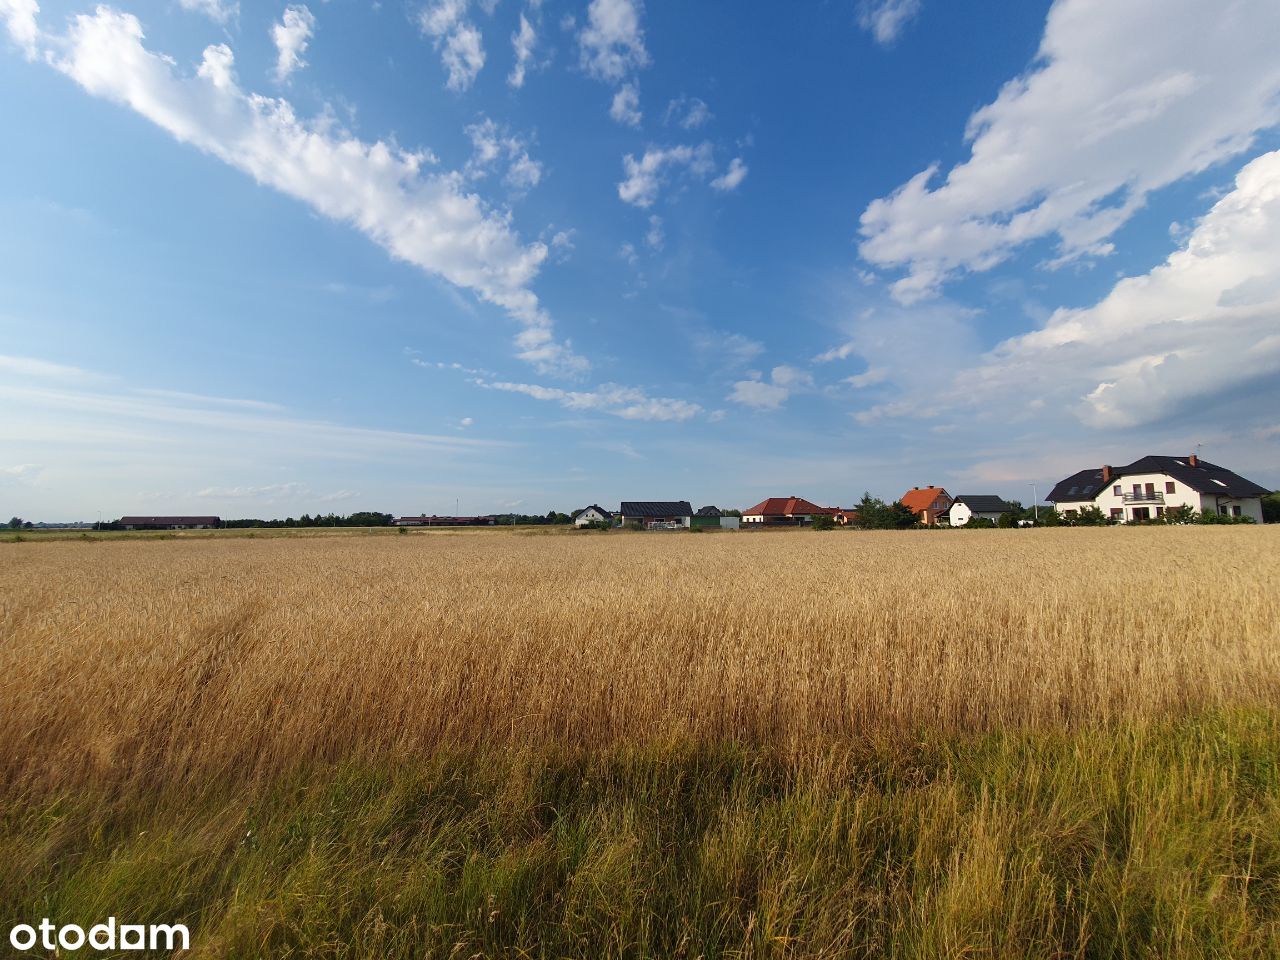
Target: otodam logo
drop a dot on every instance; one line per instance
(47, 935)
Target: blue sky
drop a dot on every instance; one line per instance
(262, 259)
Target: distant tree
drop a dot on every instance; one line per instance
(15, 523)
(1271, 508)
(1049, 517)
(824, 521)
(1008, 519)
(731, 513)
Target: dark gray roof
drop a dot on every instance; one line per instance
(174, 521)
(709, 512)
(656, 508)
(983, 503)
(1204, 477)
(595, 506)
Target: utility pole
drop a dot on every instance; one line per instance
(1035, 502)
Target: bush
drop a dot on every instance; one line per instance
(824, 522)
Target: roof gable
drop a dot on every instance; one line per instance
(922, 498)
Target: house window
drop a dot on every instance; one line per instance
(1169, 487)
(1117, 513)
(1116, 490)
(1159, 511)
(1235, 511)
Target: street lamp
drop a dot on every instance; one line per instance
(1035, 502)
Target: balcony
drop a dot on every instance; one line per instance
(1131, 496)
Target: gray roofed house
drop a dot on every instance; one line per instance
(592, 514)
(651, 512)
(984, 506)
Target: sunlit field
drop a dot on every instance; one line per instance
(1014, 743)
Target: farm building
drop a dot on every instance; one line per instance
(170, 523)
(1146, 488)
(714, 518)
(592, 514)
(434, 521)
(656, 514)
(785, 511)
(929, 504)
(984, 506)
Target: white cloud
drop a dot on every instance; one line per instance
(523, 42)
(885, 19)
(1196, 328)
(688, 112)
(466, 422)
(423, 218)
(492, 143)
(612, 42)
(868, 378)
(216, 10)
(31, 367)
(1125, 97)
(732, 177)
(654, 237)
(20, 19)
(791, 378)
(462, 50)
(758, 394)
(629, 403)
(625, 108)
(762, 395)
(644, 177)
(292, 492)
(290, 36)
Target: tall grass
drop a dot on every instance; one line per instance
(999, 743)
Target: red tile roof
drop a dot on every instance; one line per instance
(921, 498)
(786, 507)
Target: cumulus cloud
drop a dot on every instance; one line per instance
(20, 20)
(625, 108)
(645, 177)
(886, 19)
(687, 112)
(218, 11)
(457, 39)
(611, 45)
(731, 178)
(422, 217)
(759, 394)
(1124, 98)
(291, 36)
(629, 403)
(1194, 329)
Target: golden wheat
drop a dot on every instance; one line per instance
(155, 662)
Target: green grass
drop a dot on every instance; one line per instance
(1138, 841)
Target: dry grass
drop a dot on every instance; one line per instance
(159, 661)
(1006, 744)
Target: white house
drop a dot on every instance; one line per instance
(592, 514)
(1147, 488)
(984, 506)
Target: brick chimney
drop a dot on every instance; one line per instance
(1193, 460)
(1106, 474)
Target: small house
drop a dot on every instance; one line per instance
(929, 504)
(785, 512)
(982, 506)
(592, 514)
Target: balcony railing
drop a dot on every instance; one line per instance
(1145, 497)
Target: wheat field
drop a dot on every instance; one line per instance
(1004, 697)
